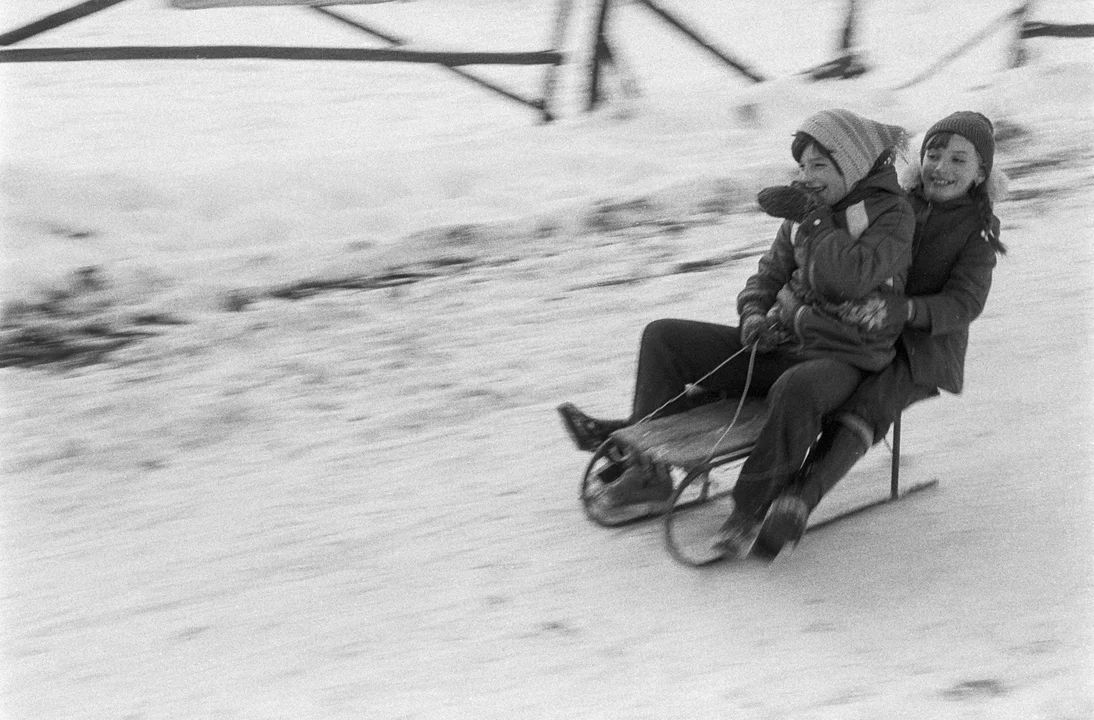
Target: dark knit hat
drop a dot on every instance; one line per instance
(854, 141)
(972, 126)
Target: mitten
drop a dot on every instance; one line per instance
(752, 326)
(792, 202)
(757, 330)
(876, 312)
(787, 303)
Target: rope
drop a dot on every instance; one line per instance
(740, 403)
(688, 388)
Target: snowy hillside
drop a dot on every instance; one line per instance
(317, 472)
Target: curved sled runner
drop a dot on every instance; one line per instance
(689, 446)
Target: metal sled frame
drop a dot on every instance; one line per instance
(685, 441)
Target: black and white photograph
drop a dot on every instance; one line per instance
(543, 359)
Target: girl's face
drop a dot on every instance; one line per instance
(948, 172)
(820, 175)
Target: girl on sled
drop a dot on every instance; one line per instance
(814, 311)
(953, 190)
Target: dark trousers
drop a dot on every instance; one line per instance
(881, 396)
(800, 394)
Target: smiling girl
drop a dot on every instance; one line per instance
(847, 234)
(956, 245)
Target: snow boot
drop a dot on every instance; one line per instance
(588, 433)
(837, 451)
(737, 535)
(783, 525)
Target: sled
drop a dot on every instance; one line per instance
(691, 447)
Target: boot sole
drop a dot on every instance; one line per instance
(777, 533)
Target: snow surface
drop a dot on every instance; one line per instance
(360, 503)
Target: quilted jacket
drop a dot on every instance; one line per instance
(949, 283)
(823, 283)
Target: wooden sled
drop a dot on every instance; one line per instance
(690, 446)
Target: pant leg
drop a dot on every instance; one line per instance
(881, 396)
(799, 401)
(674, 353)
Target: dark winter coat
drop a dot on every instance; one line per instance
(838, 263)
(949, 283)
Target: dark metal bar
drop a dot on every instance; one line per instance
(1040, 29)
(55, 20)
(847, 36)
(894, 483)
(703, 42)
(550, 80)
(356, 24)
(869, 506)
(600, 54)
(261, 52)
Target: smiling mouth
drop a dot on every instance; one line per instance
(942, 183)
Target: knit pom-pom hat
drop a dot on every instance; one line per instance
(972, 126)
(854, 141)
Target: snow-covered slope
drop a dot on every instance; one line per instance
(359, 503)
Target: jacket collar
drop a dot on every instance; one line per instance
(884, 180)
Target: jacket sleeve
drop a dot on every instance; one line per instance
(965, 293)
(843, 267)
(774, 271)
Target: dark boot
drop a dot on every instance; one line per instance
(835, 453)
(588, 433)
(845, 448)
(783, 525)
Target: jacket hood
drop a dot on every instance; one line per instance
(884, 179)
(997, 183)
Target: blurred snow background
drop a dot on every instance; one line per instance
(360, 504)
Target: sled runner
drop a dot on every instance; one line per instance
(692, 448)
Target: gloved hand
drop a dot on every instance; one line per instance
(756, 330)
(878, 311)
(787, 303)
(899, 310)
(792, 202)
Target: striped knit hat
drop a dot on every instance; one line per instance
(972, 126)
(854, 141)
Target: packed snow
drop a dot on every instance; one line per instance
(312, 469)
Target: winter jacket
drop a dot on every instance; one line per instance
(949, 283)
(823, 282)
